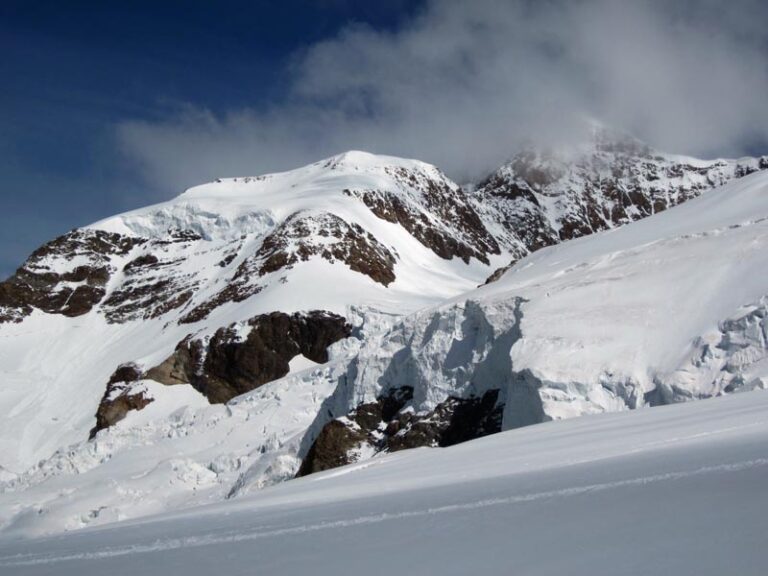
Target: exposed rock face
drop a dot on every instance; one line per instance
(242, 357)
(542, 198)
(499, 272)
(299, 238)
(240, 288)
(120, 397)
(234, 360)
(434, 212)
(453, 421)
(389, 425)
(154, 282)
(65, 276)
(328, 236)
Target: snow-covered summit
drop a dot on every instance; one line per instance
(229, 207)
(353, 232)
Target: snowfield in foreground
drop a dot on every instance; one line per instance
(670, 490)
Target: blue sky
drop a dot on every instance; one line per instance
(73, 71)
(108, 106)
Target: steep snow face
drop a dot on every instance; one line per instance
(356, 232)
(542, 197)
(460, 350)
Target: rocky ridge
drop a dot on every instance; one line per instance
(67, 276)
(542, 197)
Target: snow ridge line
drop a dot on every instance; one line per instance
(211, 539)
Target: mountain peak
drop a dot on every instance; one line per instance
(361, 159)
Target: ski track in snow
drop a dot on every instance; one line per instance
(214, 539)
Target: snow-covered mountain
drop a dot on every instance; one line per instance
(354, 232)
(253, 329)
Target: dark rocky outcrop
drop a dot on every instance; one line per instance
(334, 447)
(388, 425)
(227, 364)
(146, 298)
(143, 262)
(120, 398)
(301, 237)
(49, 283)
(155, 282)
(453, 421)
(442, 218)
(236, 291)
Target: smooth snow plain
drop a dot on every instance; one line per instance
(671, 490)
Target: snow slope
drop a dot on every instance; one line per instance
(647, 306)
(671, 490)
(285, 242)
(173, 454)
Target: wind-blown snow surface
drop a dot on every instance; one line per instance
(670, 490)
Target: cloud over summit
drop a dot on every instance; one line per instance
(463, 83)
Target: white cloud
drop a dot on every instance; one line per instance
(464, 82)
